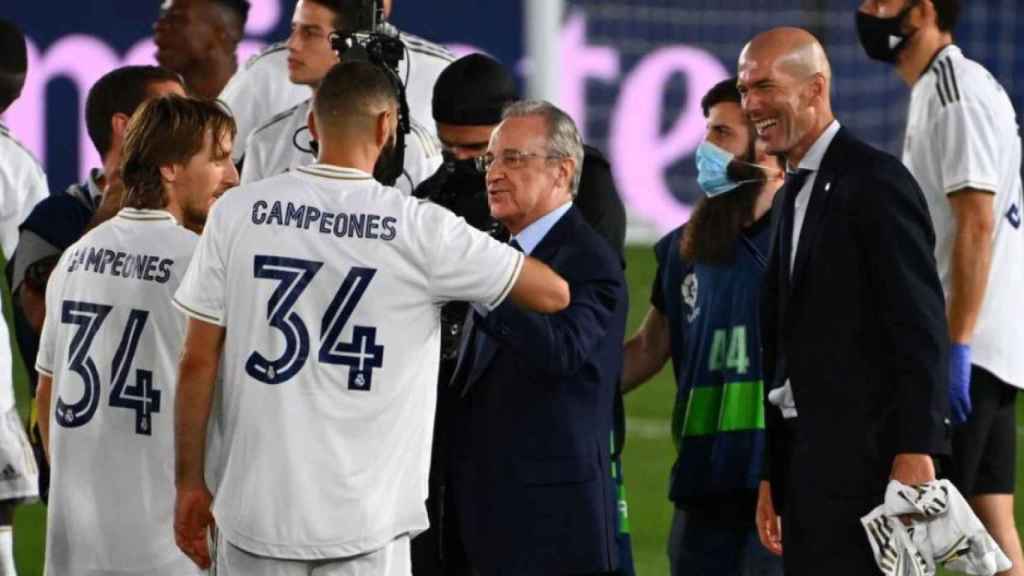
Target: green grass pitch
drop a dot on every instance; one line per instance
(648, 456)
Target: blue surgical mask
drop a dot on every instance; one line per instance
(713, 170)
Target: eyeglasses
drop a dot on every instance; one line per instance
(511, 159)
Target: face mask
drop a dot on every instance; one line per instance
(883, 38)
(714, 174)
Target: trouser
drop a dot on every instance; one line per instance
(821, 532)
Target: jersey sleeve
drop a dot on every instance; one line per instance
(965, 149)
(465, 263)
(46, 356)
(19, 200)
(203, 291)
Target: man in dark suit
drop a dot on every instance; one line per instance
(855, 340)
(530, 466)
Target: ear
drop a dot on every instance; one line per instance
(169, 173)
(819, 86)
(926, 13)
(566, 169)
(382, 130)
(311, 124)
(118, 125)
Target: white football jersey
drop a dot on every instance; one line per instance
(283, 144)
(260, 89)
(329, 286)
(22, 186)
(111, 342)
(962, 133)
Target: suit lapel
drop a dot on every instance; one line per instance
(814, 219)
(484, 348)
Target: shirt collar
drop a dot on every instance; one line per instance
(335, 172)
(816, 153)
(529, 237)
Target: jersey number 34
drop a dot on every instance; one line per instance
(138, 395)
(362, 354)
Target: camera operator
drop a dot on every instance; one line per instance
(469, 98)
(285, 143)
(260, 89)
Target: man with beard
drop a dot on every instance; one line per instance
(61, 219)
(319, 308)
(110, 345)
(468, 100)
(284, 142)
(704, 316)
(198, 39)
(963, 146)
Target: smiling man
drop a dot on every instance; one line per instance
(704, 316)
(530, 469)
(853, 331)
(198, 39)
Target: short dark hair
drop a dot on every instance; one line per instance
(239, 11)
(167, 130)
(351, 89)
(724, 91)
(239, 7)
(119, 91)
(347, 13)
(947, 13)
(13, 63)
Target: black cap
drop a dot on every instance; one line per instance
(473, 91)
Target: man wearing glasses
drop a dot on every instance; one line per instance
(530, 469)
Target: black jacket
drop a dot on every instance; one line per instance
(861, 333)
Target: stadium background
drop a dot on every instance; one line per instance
(631, 73)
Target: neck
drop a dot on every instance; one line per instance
(111, 166)
(515, 227)
(924, 45)
(765, 197)
(208, 77)
(358, 157)
(797, 153)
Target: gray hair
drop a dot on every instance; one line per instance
(563, 138)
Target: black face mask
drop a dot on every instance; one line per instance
(465, 191)
(883, 38)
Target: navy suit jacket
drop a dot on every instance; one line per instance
(860, 330)
(530, 470)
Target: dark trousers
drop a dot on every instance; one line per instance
(821, 532)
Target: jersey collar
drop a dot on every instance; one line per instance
(146, 215)
(334, 172)
(945, 50)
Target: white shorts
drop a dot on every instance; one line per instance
(19, 477)
(391, 560)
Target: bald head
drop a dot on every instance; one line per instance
(794, 50)
(785, 79)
